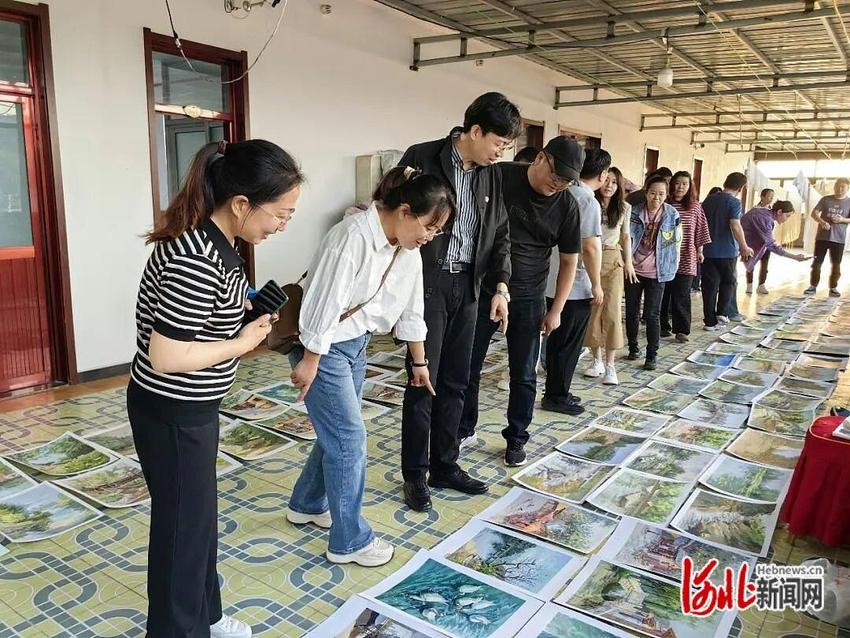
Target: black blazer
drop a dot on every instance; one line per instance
(493, 249)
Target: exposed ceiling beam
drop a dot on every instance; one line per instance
(757, 113)
(725, 79)
(707, 94)
(712, 126)
(700, 28)
(623, 18)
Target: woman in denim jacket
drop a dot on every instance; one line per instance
(656, 236)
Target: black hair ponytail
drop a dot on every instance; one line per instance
(422, 193)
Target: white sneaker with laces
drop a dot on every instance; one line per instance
(595, 369)
(376, 553)
(711, 328)
(322, 520)
(469, 441)
(749, 289)
(722, 319)
(229, 627)
(762, 289)
(610, 376)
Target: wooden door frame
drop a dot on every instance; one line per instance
(49, 186)
(694, 160)
(237, 62)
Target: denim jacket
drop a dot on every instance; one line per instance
(668, 242)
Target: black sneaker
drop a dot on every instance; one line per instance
(681, 337)
(650, 364)
(666, 333)
(417, 496)
(563, 406)
(515, 454)
(460, 481)
(634, 354)
(574, 398)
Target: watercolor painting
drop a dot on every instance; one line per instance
(765, 366)
(726, 415)
(726, 392)
(669, 461)
(724, 348)
(676, 383)
(697, 370)
(63, 456)
(767, 449)
(384, 393)
(750, 377)
(283, 392)
(715, 518)
(118, 439)
(813, 373)
(807, 388)
(553, 520)
(248, 442)
(563, 476)
(554, 621)
(12, 479)
(720, 360)
(120, 484)
(249, 406)
(742, 479)
(601, 445)
(361, 618)
(657, 401)
(705, 437)
(632, 422)
(788, 422)
(649, 498)
(42, 512)
(638, 601)
(293, 423)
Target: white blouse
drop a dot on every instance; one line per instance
(346, 271)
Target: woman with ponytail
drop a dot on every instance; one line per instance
(366, 277)
(190, 336)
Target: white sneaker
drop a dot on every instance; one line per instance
(722, 319)
(376, 553)
(469, 441)
(595, 369)
(711, 328)
(322, 520)
(610, 376)
(749, 290)
(762, 289)
(229, 627)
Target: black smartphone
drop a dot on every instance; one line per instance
(268, 300)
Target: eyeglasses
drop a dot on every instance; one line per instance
(290, 213)
(432, 232)
(560, 182)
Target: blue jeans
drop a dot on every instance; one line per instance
(334, 475)
(523, 337)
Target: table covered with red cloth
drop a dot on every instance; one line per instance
(818, 500)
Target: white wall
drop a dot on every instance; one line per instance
(328, 88)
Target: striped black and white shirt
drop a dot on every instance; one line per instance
(464, 233)
(193, 289)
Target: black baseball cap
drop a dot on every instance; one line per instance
(568, 156)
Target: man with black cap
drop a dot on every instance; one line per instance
(564, 346)
(542, 214)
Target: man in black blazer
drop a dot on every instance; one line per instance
(454, 264)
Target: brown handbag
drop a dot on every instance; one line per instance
(285, 336)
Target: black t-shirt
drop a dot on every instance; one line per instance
(537, 223)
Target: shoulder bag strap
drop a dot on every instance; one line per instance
(359, 306)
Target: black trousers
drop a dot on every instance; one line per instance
(523, 340)
(718, 287)
(652, 292)
(563, 348)
(676, 305)
(836, 252)
(450, 312)
(762, 270)
(177, 442)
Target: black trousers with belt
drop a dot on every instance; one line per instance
(431, 423)
(563, 348)
(176, 442)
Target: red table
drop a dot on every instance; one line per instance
(818, 500)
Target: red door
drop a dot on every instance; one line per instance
(25, 357)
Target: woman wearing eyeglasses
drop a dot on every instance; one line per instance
(189, 313)
(365, 278)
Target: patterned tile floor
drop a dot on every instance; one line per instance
(90, 582)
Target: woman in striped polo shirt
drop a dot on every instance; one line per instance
(190, 336)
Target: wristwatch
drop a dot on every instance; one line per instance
(424, 364)
(504, 292)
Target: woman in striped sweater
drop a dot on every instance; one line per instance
(190, 336)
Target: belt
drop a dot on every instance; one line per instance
(617, 247)
(457, 266)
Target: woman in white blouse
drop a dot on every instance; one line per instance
(365, 278)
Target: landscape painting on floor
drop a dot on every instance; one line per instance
(657, 401)
(553, 520)
(741, 479)
(705, 437)
(248, 442)
(632, 422)
(669, 461)
(12, 479)
(120, 484)
(640, 602)
(554, 621)
(741, 525)
(724, 415)
(361, 618)
(767, 449)
(649, 498)
(249, 406)
(63, 456)
(601, 445)
(283, 392)
(292, 422)
(42, 512)
(118, 439)
(563, 476)
(789, 422)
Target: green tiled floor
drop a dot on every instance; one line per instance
(90, 582)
